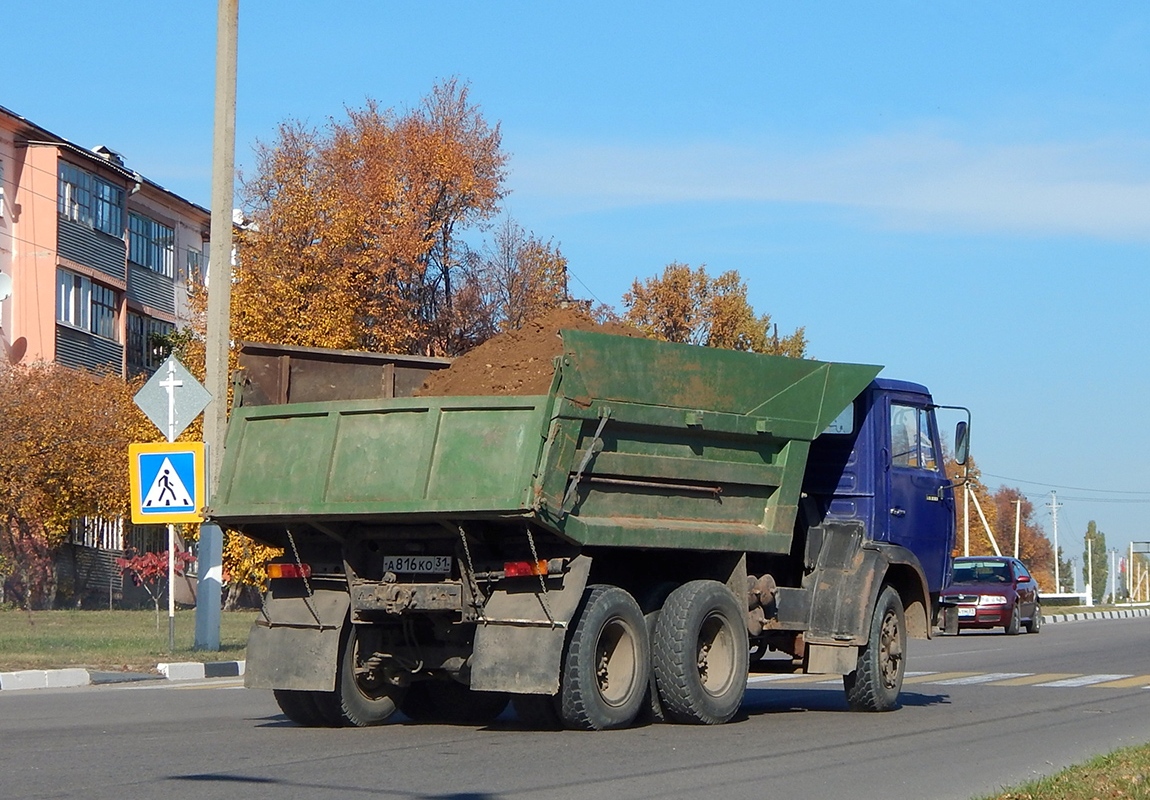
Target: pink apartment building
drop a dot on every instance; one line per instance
(100, 259)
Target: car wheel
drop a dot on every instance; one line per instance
(1013, 626)
(1035, 624)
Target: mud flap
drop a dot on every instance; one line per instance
(289, 649)
(519, 645)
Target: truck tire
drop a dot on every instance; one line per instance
(298, 707)
(701, 650)
(451, 702)
(539, 712)
(877, 679)
(606, 662)
(366, 697)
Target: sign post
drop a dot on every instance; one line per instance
(174, 476)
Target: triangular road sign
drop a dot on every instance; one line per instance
(168, 491)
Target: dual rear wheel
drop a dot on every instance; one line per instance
(696, 650)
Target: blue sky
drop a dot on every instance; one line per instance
(957, 190)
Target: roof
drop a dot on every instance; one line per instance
(37, 134)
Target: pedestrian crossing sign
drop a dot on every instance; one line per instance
(168, 482)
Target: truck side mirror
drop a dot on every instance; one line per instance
(961, 441)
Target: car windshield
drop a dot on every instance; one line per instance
(981, 572)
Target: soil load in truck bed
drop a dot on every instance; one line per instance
(518, 362)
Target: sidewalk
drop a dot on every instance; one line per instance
(65, 678)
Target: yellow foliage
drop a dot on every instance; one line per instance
(689, 306)
(246, 561)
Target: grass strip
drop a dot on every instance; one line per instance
(132, 641)
(1122, 774)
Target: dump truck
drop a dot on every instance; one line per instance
(625, 547)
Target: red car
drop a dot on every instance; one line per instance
(991, 592)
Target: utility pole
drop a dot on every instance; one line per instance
(1054, 506)
(219, 310)
(1089, 570)
(1017, 523)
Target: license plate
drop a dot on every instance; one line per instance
(422, 564)
(966, 611)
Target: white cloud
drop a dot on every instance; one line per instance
(921, 181)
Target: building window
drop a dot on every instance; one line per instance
(86, 305)
(90, 200)
(147, 342)
(151, 244)
(197, 261)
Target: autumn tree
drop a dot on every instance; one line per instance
(1034, 549)
(689, 306)
(354, 232)
(150, 571)
(515, 277)
(64, 438)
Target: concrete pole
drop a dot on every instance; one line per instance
(219, 311)
(1017, 524)
(1089, 570)
(1057, 558)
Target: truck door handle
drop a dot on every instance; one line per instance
(898, 512)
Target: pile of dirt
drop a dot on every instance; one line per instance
(517, 362)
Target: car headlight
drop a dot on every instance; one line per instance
(992, 600)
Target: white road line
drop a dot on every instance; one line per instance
(1085, 680)
(984, 678)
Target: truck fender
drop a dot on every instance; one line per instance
(519, 641)
(289, 648)
(849, 574)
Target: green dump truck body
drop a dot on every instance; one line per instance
(638, 444)
(613, 544)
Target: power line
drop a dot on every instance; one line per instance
(1072, 488)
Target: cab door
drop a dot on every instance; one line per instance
(920, 510)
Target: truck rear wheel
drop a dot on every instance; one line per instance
(451, 702)
(606, 662)
(877, 679)
(366, 696)
(298, 707)
(701, 650)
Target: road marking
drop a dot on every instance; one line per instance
(796, 678)
(987, 677)
(1082, 680)
(1138, 681)
(1046, 680)
(1031, 680)
(935, 677)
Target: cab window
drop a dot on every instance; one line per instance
(912, 441)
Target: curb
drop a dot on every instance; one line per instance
(1119, 613)
(73, 677)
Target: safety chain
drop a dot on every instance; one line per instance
(542, 578)
(475, 593)
(306, 583)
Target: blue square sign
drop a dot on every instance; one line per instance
(168, 482)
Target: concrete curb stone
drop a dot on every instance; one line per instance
(75, 676)
(1079, 616)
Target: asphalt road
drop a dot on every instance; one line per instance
(979, 711)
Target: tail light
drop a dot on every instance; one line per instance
(522, 569)
(289, 571)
